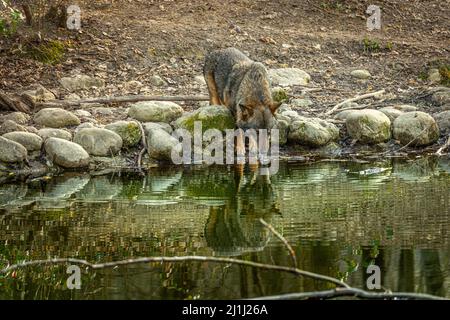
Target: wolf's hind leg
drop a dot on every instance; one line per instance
(212, 89)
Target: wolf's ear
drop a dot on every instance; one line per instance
(274, 106)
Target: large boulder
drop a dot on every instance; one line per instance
(160, 145)
(46, 133)
(129, 131)
(80, 82)
(313, 132)
(369, 126)
(155, 111)
(443, 121)
(98, 142)
(11, 151)
(211, 117)
(417, 128)
(17, 117)
(289, 77)
(10, 126)
(66, 153)
(56, 118)
(31, 141)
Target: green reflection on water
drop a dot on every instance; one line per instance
(339, 217)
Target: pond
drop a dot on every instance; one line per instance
(339, 217)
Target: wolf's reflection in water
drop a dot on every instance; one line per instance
(234, 227)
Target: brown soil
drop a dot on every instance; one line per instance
(133, 40)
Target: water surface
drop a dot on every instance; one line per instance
(339, 217)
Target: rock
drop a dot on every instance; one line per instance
(10, 126)
(11, 151)
(39, 94)
(369, 126)
(98, 142)
(283, 131)
(434, 76)
(31, 129)
(82, 113)
(313, 132)
(155, 111)
(404, 107)
(443, 121)
(54, 133)
(17, 117)
(391, 113)
(81, 82)
(160, 144)
(72, 96)
(84, 125)
(156, 80)
(211, 117)
(132, 86)
(104, 111)
(30, 141)
(360, 74)
(301, 103)
(286, 77)
(289, 116)
(129, 131)
(56, 118)
(66, 153)
(200, 80)
(330, 150)
(441, 97)
(344, 114)
(411, 125)
(157, 125)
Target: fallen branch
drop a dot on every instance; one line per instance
(357, 98)
(12, 104)
(113, 264)
(120, 99)
(283, 239)
(359, 293)
(445, 146)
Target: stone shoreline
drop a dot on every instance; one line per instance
(59, 139)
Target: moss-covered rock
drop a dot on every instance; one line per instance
(211, 117)
(312, 132)
(416, 128)
(369, 126)
(129, 131)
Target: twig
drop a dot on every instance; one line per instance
(113, 264)
(357, 98)
(329, 294)
(283, 239)
(119, 99)
(445, 146)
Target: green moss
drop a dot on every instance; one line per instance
(279, 95)
(444, 71)
(50, 52)
(210, 119)
(371, 45)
